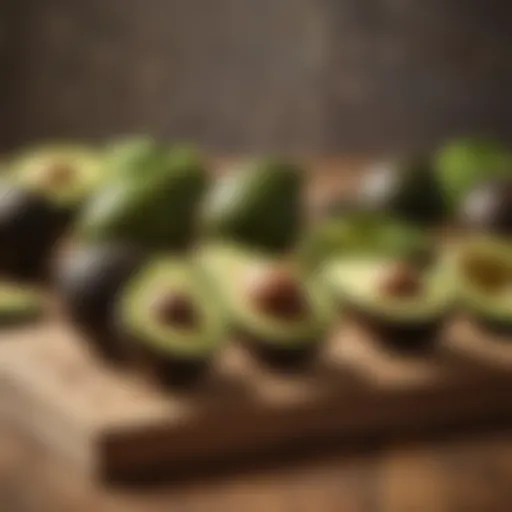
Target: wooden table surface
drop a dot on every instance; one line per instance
(450, 472)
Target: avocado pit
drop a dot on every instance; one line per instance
(59, 174)
(175, 309)
(400, 280)
(276, 291)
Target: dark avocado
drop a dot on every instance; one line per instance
(484, 275)
(282, 313)
(156, 213)
(30, 225)
(19, 304)
(89, 280)
(259, 205)
(405, 306)
(171, 321)
(67, 175)
(406, 188)
(488, 208)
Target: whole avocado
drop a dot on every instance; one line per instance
(406, 188)
(158, 212)
(464, 163)
(260, 205)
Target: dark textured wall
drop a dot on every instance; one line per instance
(300, 75)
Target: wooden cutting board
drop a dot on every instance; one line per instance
(112, 423)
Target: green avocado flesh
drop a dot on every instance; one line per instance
(137, 318)
(19, 304)
(355, 281)
(485, 285)
(229, 264)
(83, 168)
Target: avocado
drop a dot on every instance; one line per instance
(30, 224)
(88, 280)
(404, 305)
(259, 205)
(66, 174)
(19, 304)
(156, 213)
(405, 188)
(488, 208)
(280, 312)
(461, 164)
(171, 320)
(483, 267)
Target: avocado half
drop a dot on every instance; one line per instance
(280, 335)
(66, 175)
(171, 320)
(19, 304)
(405, 322)
(483, 268)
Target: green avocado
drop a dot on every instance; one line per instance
(402, 319)
(19, 304)
(66, 174)
(171, 320)
(406, 188)
(259, 205)
(277, 328)
(159, 212)
(464, 163)
(483, 267)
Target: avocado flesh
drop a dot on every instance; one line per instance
(136, 314)
(19, 304)
(494, 303)
(227, 264)
(87, 173)
(354, 280)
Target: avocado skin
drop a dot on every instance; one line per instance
(259, 206)
(29, 228)
(406, 188)
(89, 284)
(278, 356)
(501, 328)
(167, 369)
(404, 337)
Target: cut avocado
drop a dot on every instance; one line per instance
(282, 312)
(156, 213)
(19, 305)
(404, 305)
(66, 174)
(406, 188)
(171, 320)
(259, 205)
(483, 268)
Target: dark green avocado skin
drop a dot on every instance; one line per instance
(274, 355)
(403, 337)
(29, 228)
(501, 328)
(406, 188)
(89, 284)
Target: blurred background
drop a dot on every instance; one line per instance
(304, 76)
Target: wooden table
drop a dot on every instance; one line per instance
(446, 473)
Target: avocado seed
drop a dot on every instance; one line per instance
(277, 292)
(489, 274)
(59, 174)
(175, 309)
(401, 280)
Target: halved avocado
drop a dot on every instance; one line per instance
(171, 320)
(19, 305)
(281, 312)
(483, 268)
(88, 280)
(65, 174)
(404, 305)
(29, 227)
